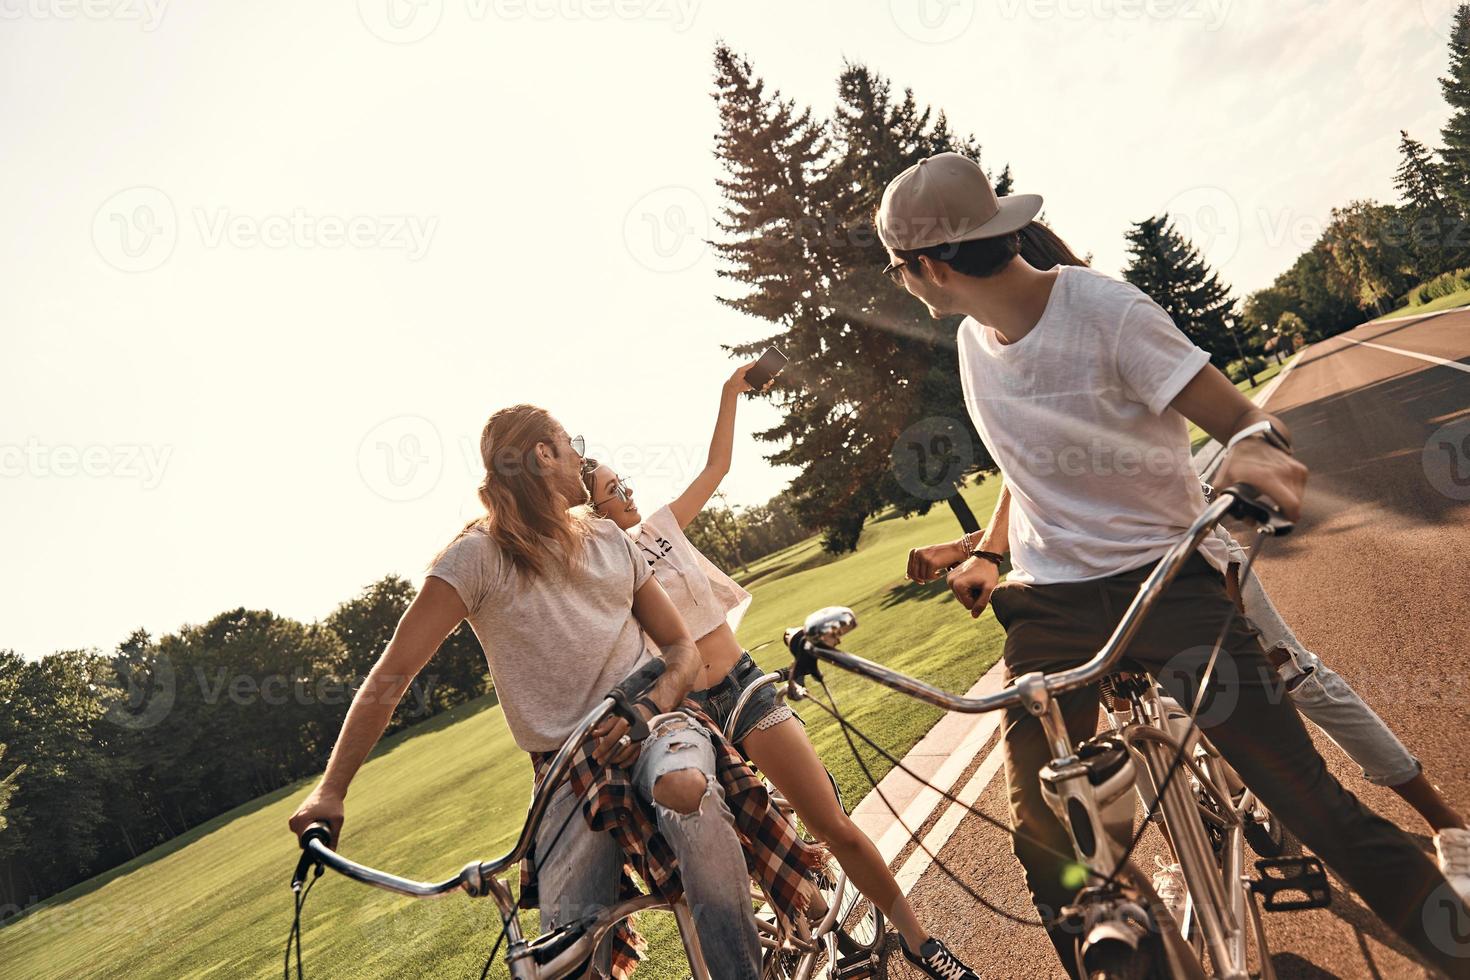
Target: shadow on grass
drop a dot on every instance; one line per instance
(908, 591)
(816, 559)
(297, 788)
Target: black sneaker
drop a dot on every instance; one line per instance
(937, 961)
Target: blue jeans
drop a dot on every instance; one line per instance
(1325, 698)
(579, 876)
(762, 710)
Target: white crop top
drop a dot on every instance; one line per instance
(704, 595)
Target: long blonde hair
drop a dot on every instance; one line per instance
(522, 513)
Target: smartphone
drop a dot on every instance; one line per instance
(763, 370)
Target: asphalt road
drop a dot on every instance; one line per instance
(1376, 582)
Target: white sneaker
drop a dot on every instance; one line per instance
(1453, 847)
(1171, 888)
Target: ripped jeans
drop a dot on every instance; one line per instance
(579, 875)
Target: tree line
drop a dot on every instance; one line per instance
(104, 756)
(1373, 257)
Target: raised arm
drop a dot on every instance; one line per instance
(689, 503)
(1211, 402)
(434, 612)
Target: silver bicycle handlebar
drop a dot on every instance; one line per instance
(474, 877)
(1095, 669)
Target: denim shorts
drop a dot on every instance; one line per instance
(761, 711)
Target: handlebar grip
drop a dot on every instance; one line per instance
(630, 689)
(1250, 505)
(318, 831)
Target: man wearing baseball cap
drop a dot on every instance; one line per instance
(1080, 385)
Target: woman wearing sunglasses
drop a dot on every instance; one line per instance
(768, 732)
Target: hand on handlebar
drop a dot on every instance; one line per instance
(1269, 471)
(972, 582)
(608, 731)
(321, 805)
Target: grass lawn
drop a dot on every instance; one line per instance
(1198, 437)
(1462, 298)
(215, 901)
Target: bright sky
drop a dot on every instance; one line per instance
(271, 265)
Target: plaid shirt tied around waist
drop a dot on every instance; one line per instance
(775, 854)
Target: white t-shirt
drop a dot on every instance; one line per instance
(704, 595)
(556, 644)
(1076, 414)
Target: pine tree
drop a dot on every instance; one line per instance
(1456, 85)
(1431, 224)
(867, 360)
(1170, 270)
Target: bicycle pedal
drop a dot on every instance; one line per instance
(855, 966)
(1292, 875)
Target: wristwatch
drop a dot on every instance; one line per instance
(1264, 429)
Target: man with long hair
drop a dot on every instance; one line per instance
(1080, 385)
(566, 608)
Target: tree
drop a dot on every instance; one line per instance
(1169, 269)
(1455, 154)
(797, 234)
(1370, 258)
(54, 816)
(1431, 223)
(7, 786)
(367, 622)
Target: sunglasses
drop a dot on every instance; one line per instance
(894, 271)
(622, 490)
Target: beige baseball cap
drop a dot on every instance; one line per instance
(947, 198)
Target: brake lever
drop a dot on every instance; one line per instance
(1249, 504)
(804, 662)
(317, 831)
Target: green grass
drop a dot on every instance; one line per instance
(1453, 300)
(1198, 437)
(215, 902)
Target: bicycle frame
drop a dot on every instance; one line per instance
(1220, 912)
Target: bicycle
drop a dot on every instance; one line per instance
(789, 953)
(852, 951)
(1123, 929)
